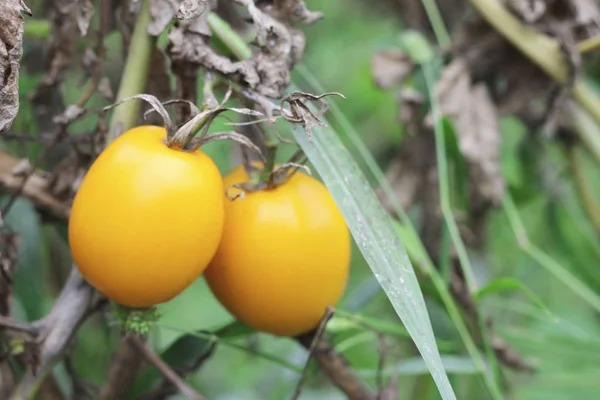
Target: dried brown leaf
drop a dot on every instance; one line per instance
(529, 10)
(267, 72)
(61, 54)
(162, 12)
(11, 51)
(85, 10)
(189, 9)
(105, 89)
(297, 11)
(390, 68)
(476, 122)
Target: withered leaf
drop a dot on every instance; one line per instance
(390, 68)
(11, 51)
(297, 11)
(85, 10)
(587, 12)
(191, 9)
(105, 89)
(162, 12)
(529, 10)
(476, 120)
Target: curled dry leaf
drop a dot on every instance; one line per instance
(268, 71)
(163, 11)
(154, 102)
(105, 89)
(296, 10)
(11, 51)
(390, 68)
(477, 126)
(529, 10)
(300, 113)
(191, 9)
(84, 12)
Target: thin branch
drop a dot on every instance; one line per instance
(31, 170)
(34, 188)
(9, 323)
(337, 369)
(166, 388)
(97, 74)
(125, 365)
(167, 372)
(318, 334)
(57, 328)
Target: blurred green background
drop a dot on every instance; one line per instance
(561, 338)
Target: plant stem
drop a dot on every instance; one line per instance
(270, 152)
(135, 75)
(229, 37)
(582, 185)
(437, 23)
(589, 45)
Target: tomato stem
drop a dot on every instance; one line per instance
(135, 75)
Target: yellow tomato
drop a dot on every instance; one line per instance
(284, 255)
(147, 219)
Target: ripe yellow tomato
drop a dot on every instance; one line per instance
(284, 255)
(147, 219)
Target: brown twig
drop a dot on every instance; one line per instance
(34, 188)
(316, 336)
(9, 323)
(126, 364)
(100, 50)
(337, 369)
(167, 372)
(31, 170)
(56, 329)
(166, 388)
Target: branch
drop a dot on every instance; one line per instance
(75, 303)
(34, 189)
(337, 369)
(167, 372)
(135, 75)
(316, 336)
(125, 366)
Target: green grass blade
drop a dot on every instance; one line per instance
(377, 240)
(543, 259)
(505, 284)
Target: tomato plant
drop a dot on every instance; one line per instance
(147, 219)
(284, 255)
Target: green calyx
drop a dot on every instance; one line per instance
(135, 320)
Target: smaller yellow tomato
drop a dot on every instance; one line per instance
(147, 219)
(284, 255)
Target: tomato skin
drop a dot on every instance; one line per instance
(147, 219)
(284, 255)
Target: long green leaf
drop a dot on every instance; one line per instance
(377, 240)
(415, 366)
